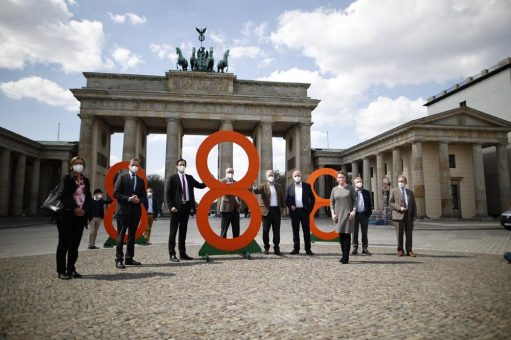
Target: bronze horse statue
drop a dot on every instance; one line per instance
(193, 61)
(211, 61)
(223, 63)
(181, 61)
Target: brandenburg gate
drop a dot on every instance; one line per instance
(195, 103)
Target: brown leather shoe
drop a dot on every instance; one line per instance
(412, 254)
(400, 253)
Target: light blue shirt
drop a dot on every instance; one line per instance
(360, 202)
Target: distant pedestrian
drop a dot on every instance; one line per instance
(229, 207)
(152, 207)
(343, 200)
(76, 199)
(97, 213)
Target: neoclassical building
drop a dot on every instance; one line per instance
(442, 157)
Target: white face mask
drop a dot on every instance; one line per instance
(181, 168)
(134, 169)
(99, 196)
(401, 185)
(358, 185)
(149, 194)
(78, 168)
(270, 179)
(229, 176)
(298, 179)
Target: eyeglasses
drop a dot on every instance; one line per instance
(400, 181)
(230, 172)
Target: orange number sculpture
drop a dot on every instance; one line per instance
(109, 212)
(239, 189)
(320, 202)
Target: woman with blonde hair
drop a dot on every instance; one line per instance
(343, 202)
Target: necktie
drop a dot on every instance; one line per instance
(133, 178)
(183, 187)
(403, 194)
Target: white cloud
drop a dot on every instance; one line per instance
(400, 42)
(131, 17)
(42, 31)
(157, 138)
(164, 51)
(385, 113)
(245, 52)
(125, 58)
(42, 90)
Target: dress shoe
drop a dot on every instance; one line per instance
(309, 252)
(400, 253)
(277, 252)
(412, 254)
(173, 258)
(64, 276)
(75, 274)
(148, 243)
(185, 257)
(132, 262)
(343, 261)
(93, 247)
(365, 251)
(294, 252)
(120, 265)
(354, 251)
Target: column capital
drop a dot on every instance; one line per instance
(306, 123)
(130, 118)
(265, 123)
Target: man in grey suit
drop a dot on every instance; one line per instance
(229, 207)
(404, 213)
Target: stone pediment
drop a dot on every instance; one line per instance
(464, 117)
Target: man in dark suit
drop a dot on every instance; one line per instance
(151, 205)
(130, 192)
(300, 202)
(273, 207)
(362, 215)
(181, 201)
(404, 214)
(229, 206)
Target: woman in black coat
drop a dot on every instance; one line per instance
(76, 198)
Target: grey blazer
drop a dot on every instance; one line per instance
(396, 202)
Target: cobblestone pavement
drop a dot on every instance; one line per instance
(436, 295)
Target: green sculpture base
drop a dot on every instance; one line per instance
(207, 250)
(110, 243)
(317, 239)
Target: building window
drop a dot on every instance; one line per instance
(463, 103)
(385, 168)
(371, 171)
(452, 162)
(402, 165)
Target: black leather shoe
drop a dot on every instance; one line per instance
(93, 247)
(277, 252)
(309, 253)
(266, 252)
(75, 275)
(355, 251)
(343, 261)
(64, 276)
(132, 263)
(185, 257)
(173, 258)
(294, 252)
(365, 251)
(120, 265)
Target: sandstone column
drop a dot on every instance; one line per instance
(503, 173)
(479, 183)
(85, 145)
(64, 169)
(19, 185)
(396, 166)
(225, 150)
(305, 150)
(172, 153)
(354, 169)
(418, 179)
(5, 160)
(266, 161)
(129, 145)
(366, 173)
(321, 192)
(445, 179)
(379, 179)
(34, 187)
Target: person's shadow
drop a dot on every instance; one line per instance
(125, 276)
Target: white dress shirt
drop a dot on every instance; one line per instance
(150, 205)
(273, 196)
(298, 195)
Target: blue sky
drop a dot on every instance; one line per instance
(371, 63)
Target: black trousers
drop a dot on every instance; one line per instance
(230, 218)
(272, 220)
(404, 226)
(345, 240)
(127, 222)
(361, 220)
(70, 230)
(179, 221)
(300, 216)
